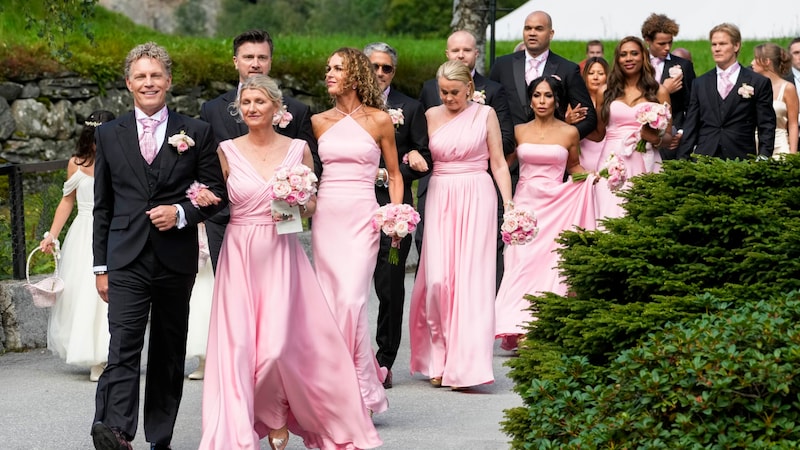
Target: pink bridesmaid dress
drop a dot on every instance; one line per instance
(558, 206)
(345, 245)
(451, 318)
(591, 152)
(621, 126)
(275, 354)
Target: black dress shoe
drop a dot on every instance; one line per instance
(387, 383)
(159, 447)
(105, 438)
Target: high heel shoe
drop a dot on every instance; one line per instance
(200, 373)
(436, 382)
(279, 439)
(95, 371)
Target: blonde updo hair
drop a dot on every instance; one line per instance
(262, 83)
(457, 71)
(773, 57)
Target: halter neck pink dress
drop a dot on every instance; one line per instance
(451, 319)
(345, 245)
(275, 355)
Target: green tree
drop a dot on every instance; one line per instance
(419, 18)
(275, 16)
(55, 20)
(191, 18)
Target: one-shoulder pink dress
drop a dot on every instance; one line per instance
(275, 354)
(345, 246)
(451, 319)
(558, 206)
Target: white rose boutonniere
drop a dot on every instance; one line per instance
(746, 91)
(675, 71)
(181, 142)
(282, 117)
(397, 116)
(479, 97)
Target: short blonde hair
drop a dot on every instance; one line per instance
(148, 50)
(457, 71)
(261, 83)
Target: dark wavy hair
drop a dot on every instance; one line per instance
(84, 148)
(592, 61)
(616, 78)
(560, 95)
(360, 73)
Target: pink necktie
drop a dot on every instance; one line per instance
(725, 85)
(658, 65)
(533, 70)
(147, 141)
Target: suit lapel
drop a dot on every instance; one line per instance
(668, 63)
(169, 154)
(128, 138)
(733, 99)
(519, 77)
(393, 101)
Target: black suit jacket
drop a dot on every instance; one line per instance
(122, 193)
(496, 97)
(411, 135)
(727, 128)
(679, 100)
(509, 70)
(226, 126)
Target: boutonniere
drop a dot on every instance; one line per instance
(479, 97)
(746, 91)
(675, 71)
(397, 116)
(181, 141)
(282, 117)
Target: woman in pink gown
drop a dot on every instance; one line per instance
(630, 85)
(276, 360)
(352, 136)
(595, 74)
(546, 147)
(451, 318)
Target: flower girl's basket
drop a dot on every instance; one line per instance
(46, 291)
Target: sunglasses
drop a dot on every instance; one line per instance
(386, 68)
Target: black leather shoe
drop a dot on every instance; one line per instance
(387, 383)
(159, 447)
(105, 438)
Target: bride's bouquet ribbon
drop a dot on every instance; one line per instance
(396, 221)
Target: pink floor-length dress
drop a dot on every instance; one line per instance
(621, 126)
(345, 246)
(591, 152)
(451, 319)
(275, 355)
(558, 206)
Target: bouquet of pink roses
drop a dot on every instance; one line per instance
(294, 185)
(615, 171)
(654, 116)
(519, 227)
(396, 221)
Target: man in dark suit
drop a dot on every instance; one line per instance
(252, 55)
(462, 46)
(517, 70)
(728, 105)
(793, 76)
(676, 74)
(145, 249)
(415, 161)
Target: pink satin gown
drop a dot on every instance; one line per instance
(275, 354)
(558, 206)
(621, 126)
(345, 246)
(451, 319)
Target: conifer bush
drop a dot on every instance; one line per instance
(730, 229)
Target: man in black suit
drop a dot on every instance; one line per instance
(462, 46)
(729, 103)
(252, 55)
(411, 135)
(793, 75)
(145, 249)
(676, 74)
(517, 70)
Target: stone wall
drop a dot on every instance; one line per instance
(160, 14)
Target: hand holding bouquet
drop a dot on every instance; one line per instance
(396, 221)
(615, 171)
(519, 227)
(294, 185)
(654, 116)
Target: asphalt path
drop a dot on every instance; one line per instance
(47, 404)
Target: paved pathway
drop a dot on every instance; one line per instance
(46, 404)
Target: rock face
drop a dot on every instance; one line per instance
(160, 14)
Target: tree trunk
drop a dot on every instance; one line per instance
(472, 16)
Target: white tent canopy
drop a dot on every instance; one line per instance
(615, 19)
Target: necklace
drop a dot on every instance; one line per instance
(350, 113)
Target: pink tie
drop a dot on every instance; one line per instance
(533, 70)
(725, 85)
(658, 65)
(147, 141)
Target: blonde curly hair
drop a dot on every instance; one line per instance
(359, 73)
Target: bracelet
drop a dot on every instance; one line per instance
(100, 272)
(660, 141)
(509, 203)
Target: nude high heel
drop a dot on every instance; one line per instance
(279, 439)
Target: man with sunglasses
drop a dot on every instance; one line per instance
(462, 46)
(411, 135)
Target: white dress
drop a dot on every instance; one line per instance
(78, 326)
(781, 124)
(200, 303)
